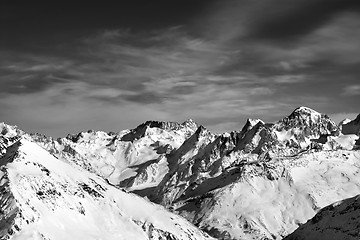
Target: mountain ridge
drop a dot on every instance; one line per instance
(213, 179)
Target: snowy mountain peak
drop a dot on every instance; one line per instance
(163, 125)
(250, 123)
(9, 130)
(200, 130)
(308, 122)
(306, 113)
(189, 123)
(305, 110)
(305, 128)
(171, 126)
(188, 127)
(351, 127)
(345, 121)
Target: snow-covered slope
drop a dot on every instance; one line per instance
(270, 199)
(43, 197)
(340, 220)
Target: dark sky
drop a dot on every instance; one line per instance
(68, 67)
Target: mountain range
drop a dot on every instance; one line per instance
(297, 178)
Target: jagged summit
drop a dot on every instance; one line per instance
(169, 125)
(345, 121)
(162, 125)
(305, 110)
(308, 122)
(190, 123)
(351, 127)
(308, 115)
(9, 130)
(188, 126)
(250, 123)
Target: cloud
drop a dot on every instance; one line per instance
(122, 60)
(271, 21)
(270, 38)
(351, 90)
(66, 108)
(234, 68)
(289, 79)
(284, 20)
(24, 73)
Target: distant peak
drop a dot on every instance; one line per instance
(355, 121)
(253, 122)
(345, 121)
(306, 113)
(161, 124)
(201, 129)
(309, 121)
(250, 123)
(351, 127)
(189, 121)
(9, 130)
(190, 124)
(171, 125)
(140, 130)
(4, 125)
(305, 110)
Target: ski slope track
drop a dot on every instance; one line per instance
(264, 181)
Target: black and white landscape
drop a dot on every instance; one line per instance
(169, 119)
(166, 180)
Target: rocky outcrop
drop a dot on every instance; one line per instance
(303, 126)
(188, 126)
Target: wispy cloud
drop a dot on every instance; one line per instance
(351, 90)
(289, 78)
(66, 108)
